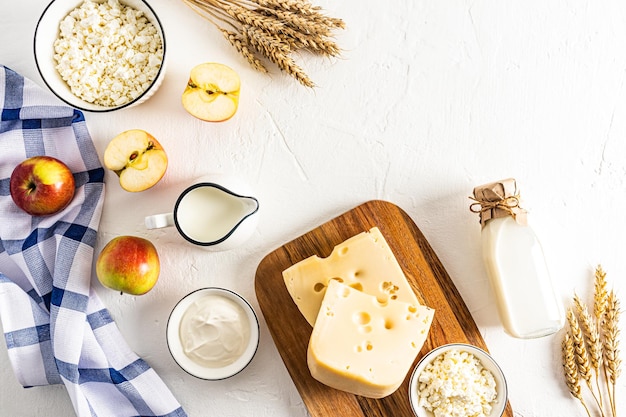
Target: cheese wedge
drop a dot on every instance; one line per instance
(364, 262)
(363, 346)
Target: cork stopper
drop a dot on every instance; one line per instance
(498, 199)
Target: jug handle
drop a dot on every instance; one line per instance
(158, 221)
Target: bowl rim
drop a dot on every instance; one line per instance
(79, 103)
(481, 354)
(175, 348)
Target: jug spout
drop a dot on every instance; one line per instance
(244, 226)
(250, 205)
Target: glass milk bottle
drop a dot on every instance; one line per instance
(527, 303)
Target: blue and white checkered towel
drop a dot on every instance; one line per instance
(55, 327)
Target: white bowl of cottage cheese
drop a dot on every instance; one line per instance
(100, 55)
(458, 380)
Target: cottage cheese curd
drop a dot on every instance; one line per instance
(108, 53)
(456, 384)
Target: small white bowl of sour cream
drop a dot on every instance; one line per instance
(213, 333)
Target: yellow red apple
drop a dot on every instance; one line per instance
(212, 92)
(137, 158)
(42, 185)
(128, 264)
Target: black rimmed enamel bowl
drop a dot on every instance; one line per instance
(47, 32)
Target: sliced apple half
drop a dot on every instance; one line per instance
(212, 93)
(137, 158)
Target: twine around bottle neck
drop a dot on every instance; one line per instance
(508, 206)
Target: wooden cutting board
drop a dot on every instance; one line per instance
(430, 281)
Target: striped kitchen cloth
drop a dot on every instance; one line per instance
(55, 327)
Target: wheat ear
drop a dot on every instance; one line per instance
(238, 42)
(610, 333)
(299, 6)
(274, 29)
(581, 354)
(572, 378)
(599, 294)
(592, 338)
(277, 51)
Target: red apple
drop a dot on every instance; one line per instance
(128, 264)
(42, 185)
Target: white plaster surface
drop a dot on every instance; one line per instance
(429, 99)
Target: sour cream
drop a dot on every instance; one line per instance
(214, 331)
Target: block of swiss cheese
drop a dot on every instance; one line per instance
(364, 262)
(364, 346)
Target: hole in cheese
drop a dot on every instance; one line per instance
(344, 292)
(362, 318)
(343, 251)
(389, 287)
(320, 286)
(382, 299)
(364, 346)
(388, 324)
(357, 286)
(365, 329)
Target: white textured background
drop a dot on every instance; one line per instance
(429, 99)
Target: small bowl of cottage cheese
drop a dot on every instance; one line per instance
(100, 55)
(457, 380)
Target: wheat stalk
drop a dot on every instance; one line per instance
(572, 378)
(273, 30)
(300, 22)
(610, 332)
(238, 42)
(277, 51)
(580, 349)
(300, 6)
(599, 295)
(592, 346)
(249, 17)
(592, 341)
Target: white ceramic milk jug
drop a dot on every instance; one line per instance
(212, 213)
